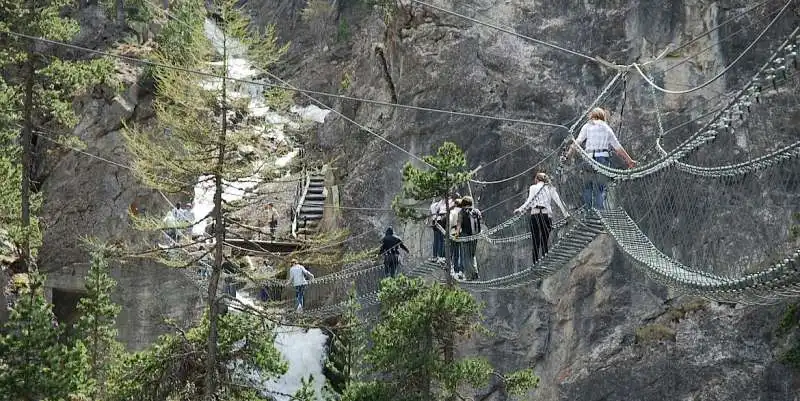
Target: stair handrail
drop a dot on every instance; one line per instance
(299, 205)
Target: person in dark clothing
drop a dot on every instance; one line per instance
(390, 249)
(469, 224)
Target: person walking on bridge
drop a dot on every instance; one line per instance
(540, 195)
(390, 250)
(469, 224)
(438, 218)
(297, 277)
(599, 140)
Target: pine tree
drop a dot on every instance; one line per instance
(347, 350)
(409, 352)
(36, 87)
(34, 364)
(95, 330)
(174, 367)
(447, 170)
(203, 139)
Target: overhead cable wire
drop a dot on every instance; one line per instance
(647, 79)
(716, 44)
(286, 87)
(511, 32)
(720, 25)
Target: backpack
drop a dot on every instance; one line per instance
(470, 221)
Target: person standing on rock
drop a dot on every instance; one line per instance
(469, 223)
(272, 219)
(438, 211)
(390, 250)
(599, 140)
(540, 195)
(297, 277)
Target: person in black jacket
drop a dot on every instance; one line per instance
(390, 249)
(469, 224)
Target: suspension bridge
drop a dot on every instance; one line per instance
(718, 231)
(645, 209)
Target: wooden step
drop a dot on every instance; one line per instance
(309, 217)
(315, 190)
(315, 197)
(312, 209)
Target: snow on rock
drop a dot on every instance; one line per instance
(311, 112)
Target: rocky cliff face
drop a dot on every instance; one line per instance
(89, 193)
(599, 329)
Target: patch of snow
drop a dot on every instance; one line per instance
(284, 160)
(311, 112)
(203, 202)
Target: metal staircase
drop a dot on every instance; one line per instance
(311, 206)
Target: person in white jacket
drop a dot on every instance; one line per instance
(540, 195)
(297, 278)
(599, 142)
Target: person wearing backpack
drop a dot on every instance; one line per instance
(540, 195)
(390, 250)
(469, 223)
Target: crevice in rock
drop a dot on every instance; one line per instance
(387, 76)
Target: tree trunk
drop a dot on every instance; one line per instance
(449, 340)
(27, 153)
(219, 222)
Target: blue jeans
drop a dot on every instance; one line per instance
(594, 187)
(438, 243)
(455, 256)
(299, 290)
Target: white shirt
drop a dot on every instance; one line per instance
(598, 136)
(542, 195)
(438, 207)
(297, 274)
(454, 219)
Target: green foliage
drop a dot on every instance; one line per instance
(448, 170)
(794, 228)
(34, 364)
(655, 332)
(790, 319)
(195, 138)
(306, 391)
(95, 330)
(174, 367)
(179, 40)
(347, 80)
(417, 322)
(56, 82)
(675, 314)
(343, 32)
(347, 350)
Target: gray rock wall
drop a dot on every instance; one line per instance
(599, 329)
(89, 197)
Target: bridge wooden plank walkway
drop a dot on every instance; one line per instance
(241, 246)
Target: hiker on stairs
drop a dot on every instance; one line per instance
(297, 278)
(390, 250)
(437, 218)
(469, 223)
(600, 141)
(540, 195)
